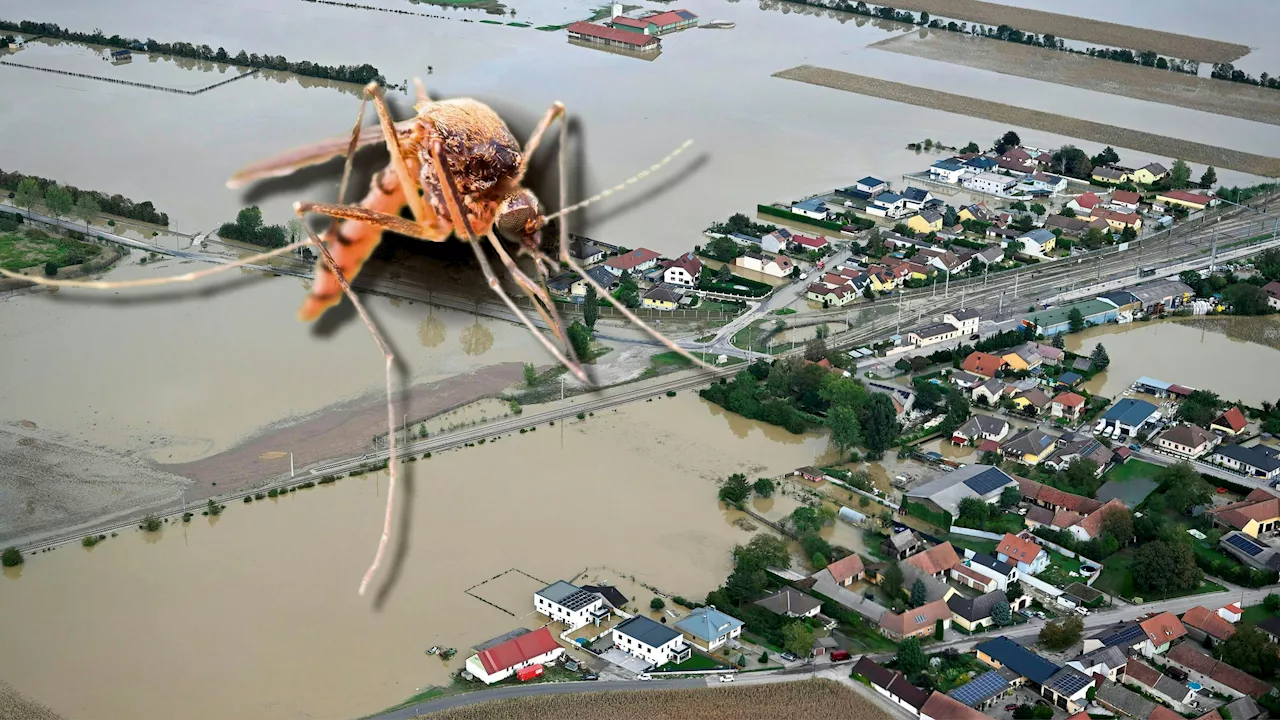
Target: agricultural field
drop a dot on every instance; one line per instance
(16, 707)
(777, 701)
(27, 248)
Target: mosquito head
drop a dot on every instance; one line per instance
(518, 218)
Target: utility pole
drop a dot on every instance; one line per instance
(290, 464)
(561, 379)
(1000, 308)
(946, 289)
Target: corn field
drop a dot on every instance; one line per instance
(16, 707)
(800, 700)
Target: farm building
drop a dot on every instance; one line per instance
(613, 37)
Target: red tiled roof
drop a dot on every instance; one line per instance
(1187, 655)
(1185, 196)
(608, 33)
(1141, 672)
(1272, 289)
(1128, 197)
(629, 22)
(670, 17)
(1088, 200)
(1233, 418)
(1069, 399)
(981, 363)
(1260, 506)
(1121, 217)
(846, 568)
(1018, 549)
(1092, 523)
(936, 559)
(1063, 499)
(518, 650)
(1202, 618)
(1163, 628)
(688, 261)
(1017, 154)
(989, 446)
(943, 706)
(916, 619)
(807, 241)
(1161, 712)
(974, 575)
(639, 256)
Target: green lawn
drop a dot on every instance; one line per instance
(978, 545)
(1254, 614)
(30, 248)
(1117, 579)
(1130, 470)
(1060, 568)
(670, 358)
(696, 661)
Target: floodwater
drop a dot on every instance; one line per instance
(1186, 354)
(258, 616)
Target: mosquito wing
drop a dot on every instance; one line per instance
(287, 163)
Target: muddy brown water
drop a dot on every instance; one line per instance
(1187, 354)
(259, 616)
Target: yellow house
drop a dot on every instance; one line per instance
(1029, 447)
(1149, 174)
(1257, 515)
(1024, 359)
(660, 298)
(1188, 200)
(881, 279)
(1111, 175)
(925, 222)
(1118, 220)
(1034, 399)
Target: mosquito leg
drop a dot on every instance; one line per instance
(408, 181)
(351, 150)
(536, 294)
(148, 282)
(383, 220)
(421, 92)
(555, 111)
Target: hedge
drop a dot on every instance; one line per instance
(797, 217)
(940, 519)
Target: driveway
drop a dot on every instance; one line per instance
(627, 662)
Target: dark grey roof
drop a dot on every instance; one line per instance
(980, 689)
(1270, 625)
(789, 600)
(563, 281)
(934, 330)
(903, 539)
(583, 249)
(1254, 456)
(1029, 442)
(663, 293)
(646, 631)
(1121, 297)
(1068, 681)
(602, 275)
(982, 424)
(987, 561)
(965, 314)
(915, 194)
(989, 480)
(567, 595)
(611, 594)
(1242, 708)
(1021, 660)
(1124, 700)
(1172, 688)
(1129, 411)
(975, 608)
(1122, 635)
(1110, 656)
(1082, 364)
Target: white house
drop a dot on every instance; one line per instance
(570, 604)
(1023, 553)
(683, 271)
(887, 204)
(503, 660)
(871, 185)
(708, 629)
(775, 241)
(1036, 241)
(949, 171)
(990, 183)
(1002, 573)
(812, 208)
(1187, 440)
(916, 198)
(980, 427)
(892, 684)
(652, 642)
(779, 266)
(1126, 418)
(635, 262)
(587, 252)
(1045, 181)
(965, 320)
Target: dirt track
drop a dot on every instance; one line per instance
(1114, 78)
(1083, 29)
(1118, 137)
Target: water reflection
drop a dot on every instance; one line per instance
(431, 331)
(476, 339)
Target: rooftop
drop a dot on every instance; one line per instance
(788, 600)
(1061, 314)
(1018, 549)
(607, 33)
(646, 631)
(945, 706)
(708, 623)
(636, 257)
(916, 619)
(980, 689)
(1163, 628)
(517, 650)
(1130, 412)
(1209, 622)
(568, 596)
(975, 608)
(1021, 660)
(936, 559)
(1255, 456)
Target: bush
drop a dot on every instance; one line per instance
(91, 540)
(273, 492)
(186, 517)
(260, 496)
(11, 557)
(150, 523)
(656, 604)
(582, 416)
(671, 393)
(248, 498)
(51, 268)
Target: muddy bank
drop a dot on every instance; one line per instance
(1119, 137)
(1134, 81)
(340, 431)
(50, 483)
(1087, 30)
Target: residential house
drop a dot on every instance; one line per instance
(1068, 405)
(1181, 198)
(944, 493)
(1272, 289)
(1125, 636)
(990, 392)
(1215, 675)
(892, 684)
(926, 221)
(830, 295)
(501, 661)
(585, 251)
(1049, 355)
(1108, 662)
(900, 545)
(1022, 552)
(612, 595)
(974, 613)
(1002, 573)
(982, 364)
(917, 622)
(601, 274)
(1002, 652)
(772, 265)
(1242, 708)
(888, 205)
(917, 198)
(1072, 448)
(1231, 422)
(776, 241)
(661, 297)
(1257, 515)
(634, 261)
(811, 208)
(1017, 167)
(937, 561)
(1023, 357)
(1258, 461)
(1084, 204)
(1161, 630)
(989, 256)
(1125, 200)
(845, 571)
(991, 183)
(983, 691)
(965, 575)
(1029, 447)
(945, 707)
(980, 427)
(1117, 220)
(806, 243)
(1057, 320)
(1111, 175)
(1149, 174)
(948, 171)
(1034, 401)
(943, 260)
(977, 211)
(980, 163)
(1047, 182)
(964, 380)
(1039, 242)
(966, 320)
(683, 271)
(569, 604)
(932, 334)
(1051, 498)
(1157, 684)
(652, 642)
(562, 284)
(1126, 418)
(1270, 626)
(1189, 440)
(871, 185)
(791, 602)
(708, 629)
(1068, 689)
(1123, 701)
(1207, 626)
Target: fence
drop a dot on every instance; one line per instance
(970, 532)
(145, 86)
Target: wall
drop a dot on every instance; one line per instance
(976, 533)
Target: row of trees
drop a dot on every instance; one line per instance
(749, 581)
(249, 228)
(360, 74)
(1227, 71)
(71, 201)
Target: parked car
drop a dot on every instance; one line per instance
(1011, 707)
(726, 678)
(789, 657)
(1082, 610)
(1135, 447)
(644, 676)
(1176, 673)
(839, 655)
(591, 676)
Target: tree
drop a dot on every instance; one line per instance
(1251, 651)
(762, 551)
(735, 490)
(1075, 320)
(972, 512)
(591, 307)
(910, 656)
(928, 395)
(1272, 603)
(1200, 407)
(797, 639)
(27, 194)
(1246, 299)
(12, 557)
(1191, 277)
(51, 268)
(1007, 141)
(1038, 209)
(1161, 567)
(530, 374)
(723, 249)
(1062, 634)
(1100, 357)
(657, 604)
(249, 221)
(86, 209)
(972, 147)
(764, 657)
(1082, 474)
(950, 218)
(1010, 496)
(846, 431)
(815, 350)
(59, 201)
(1072, 161)
(1014, 592)
(1059, 341)
(1019, 206)
(879, 422)
(1209, 178)
(580, 338)
(891, 581)
(1001, 614)
(1067, 212)
(746, 584)
(919, 593)
(628, 292)
(1179, 175)
(1108, 156)
(763, 487)
(957, 410)
(1183, 487)
(805, 520)
(1118, 523)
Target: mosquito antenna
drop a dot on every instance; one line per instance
(622, 185)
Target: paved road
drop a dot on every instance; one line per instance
(546, 688)
(1164, 460)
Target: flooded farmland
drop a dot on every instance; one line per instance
(260, 603)
(1192, 354)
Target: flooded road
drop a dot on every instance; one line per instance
(1187, 354)
(255, 614)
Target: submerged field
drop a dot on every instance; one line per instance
(781, 701)
(1158, 145)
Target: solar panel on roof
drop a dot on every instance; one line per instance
(578, 600)
(986, 481)
(981, 688)
(1244, 544)
(1127, 636)
(1071, 683)
(686, 14)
